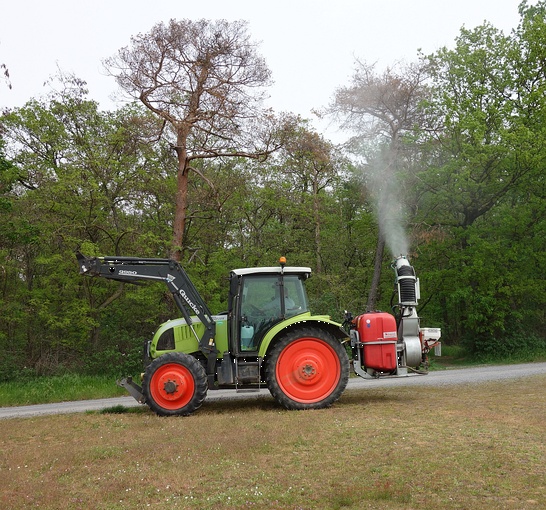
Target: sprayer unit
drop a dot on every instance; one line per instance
(407, 282)
(383, 346)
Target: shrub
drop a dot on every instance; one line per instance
(120, 360)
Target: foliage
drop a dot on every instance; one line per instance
(483, 190)
(462, 133)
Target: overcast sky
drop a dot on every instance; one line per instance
(310, 45)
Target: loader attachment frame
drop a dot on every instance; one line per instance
(186, 296)
(133, 388)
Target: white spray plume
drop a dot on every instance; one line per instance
(390, 207)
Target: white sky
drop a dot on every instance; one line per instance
(308, 44)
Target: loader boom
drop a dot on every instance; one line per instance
(186, 296)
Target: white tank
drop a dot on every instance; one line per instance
(247, 333)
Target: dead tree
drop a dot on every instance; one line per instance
(378, 109)
(206, 81)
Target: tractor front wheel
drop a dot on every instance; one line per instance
(307, 369)
(175, 384)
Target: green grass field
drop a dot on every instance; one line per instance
(70, 387)
(468, 446)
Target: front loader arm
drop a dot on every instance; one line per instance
(186, 296)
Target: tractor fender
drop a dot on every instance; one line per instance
(300, 321)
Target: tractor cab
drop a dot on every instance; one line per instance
(260, 298)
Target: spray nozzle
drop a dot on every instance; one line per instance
(402, 261)
(398, 262)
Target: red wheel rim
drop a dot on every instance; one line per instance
(172, 386)
(308, 370)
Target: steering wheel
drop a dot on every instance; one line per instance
(255, 310)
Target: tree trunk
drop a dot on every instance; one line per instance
(94, 337)
(372, 296)
(181, 199)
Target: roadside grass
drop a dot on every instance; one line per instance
(68, 387)
(454, 356)
(477, 446)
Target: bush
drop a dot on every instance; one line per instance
(11, 360)
(507, 346)
(9, 366)
(119, 360)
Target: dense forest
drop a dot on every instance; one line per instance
(445, 160)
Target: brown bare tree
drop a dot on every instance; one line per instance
(382, 106)
(206, 81)
(379, 108)
(5, 72)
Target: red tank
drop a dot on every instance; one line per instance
(378, 333)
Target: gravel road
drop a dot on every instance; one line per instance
(473, 375)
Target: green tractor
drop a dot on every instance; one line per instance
(267, 335)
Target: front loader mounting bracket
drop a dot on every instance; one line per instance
(133, 388)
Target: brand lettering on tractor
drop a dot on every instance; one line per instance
(189, 301)
(130, 273)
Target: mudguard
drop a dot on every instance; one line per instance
(305, 319)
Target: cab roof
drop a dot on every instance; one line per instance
(273, 270)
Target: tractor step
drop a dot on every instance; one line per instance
(247, 390)
(247, 372)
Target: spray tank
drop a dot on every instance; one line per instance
(385, 346)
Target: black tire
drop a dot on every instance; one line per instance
(307, 369)
(175, 384)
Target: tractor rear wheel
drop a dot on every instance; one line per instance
(307, 369)
(175, 384)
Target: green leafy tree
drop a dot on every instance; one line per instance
(485, 177)
(82, 179)
(313, 167)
